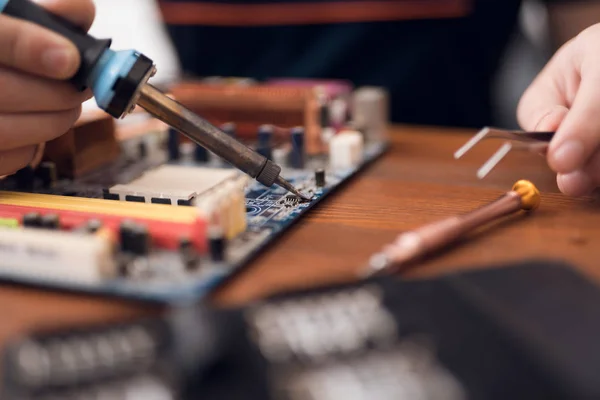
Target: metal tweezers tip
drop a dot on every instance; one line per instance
(471, 143)
(494, 160)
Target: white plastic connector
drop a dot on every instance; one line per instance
(346, 149)
(56, 255)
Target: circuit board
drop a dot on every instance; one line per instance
(162, 276)
(148, 183)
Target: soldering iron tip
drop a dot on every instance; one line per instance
(290, 188)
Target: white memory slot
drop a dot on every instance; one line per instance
(56, 255)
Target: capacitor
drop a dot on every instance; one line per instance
(265, 139)
(173, 144)
(200, 154)
(188, 255)
(134, 238)
(50, 221)
(32, 220)
(47, 173)
(297, 157)
(324, 116)
(320, 177)
(25, 178)
(216, 243)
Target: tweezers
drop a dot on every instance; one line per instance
(536, 142)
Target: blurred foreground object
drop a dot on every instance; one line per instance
(414, 245)
(525, 331)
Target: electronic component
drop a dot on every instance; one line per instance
(201, 187)
(297, 157)
(180, 222)
(370, 112)
(376, 339)
(179, 184)
(284, 103)
(217, 243)
(346, 149)
(265, 141)
(90, 144)
(166, 224)
(173, 144)
(55, 255)
(320, 177)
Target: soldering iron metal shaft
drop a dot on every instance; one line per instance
(205, 134)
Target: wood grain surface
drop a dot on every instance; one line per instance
(417, 182)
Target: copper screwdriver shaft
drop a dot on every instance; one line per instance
(413, 245)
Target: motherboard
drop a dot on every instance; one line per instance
(155, 217)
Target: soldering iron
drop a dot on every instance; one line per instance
(119, 82)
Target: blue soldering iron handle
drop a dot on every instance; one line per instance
(90, 48)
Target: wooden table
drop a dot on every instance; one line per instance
(417, 182)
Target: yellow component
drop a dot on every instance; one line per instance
(228, 204)
(159, 212)
(530, 195)
(9, 223)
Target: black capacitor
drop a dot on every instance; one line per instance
(173, 144)
(188, 255)
(135, 238)
(265, 141)
(297, 156)
(141, 240)
(25, 178)
(50, 221)
(47, 173)
(324, 116)
(217, 243)
(200, 154)
(320, 177)
(32, 220)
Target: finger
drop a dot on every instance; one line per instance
(548, 96)
(587, 179)
(79, 12)
(581, 182)
(25, 93)
(18, 130)
(13, 160)
(578, 137)
(27, 47)
(575, 184)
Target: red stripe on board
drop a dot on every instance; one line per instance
(213, 14)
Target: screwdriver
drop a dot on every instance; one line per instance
(416, 244)
(119, 82)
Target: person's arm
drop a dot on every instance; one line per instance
(568, 18)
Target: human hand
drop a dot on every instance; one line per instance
(565, 97)
(36, 104)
